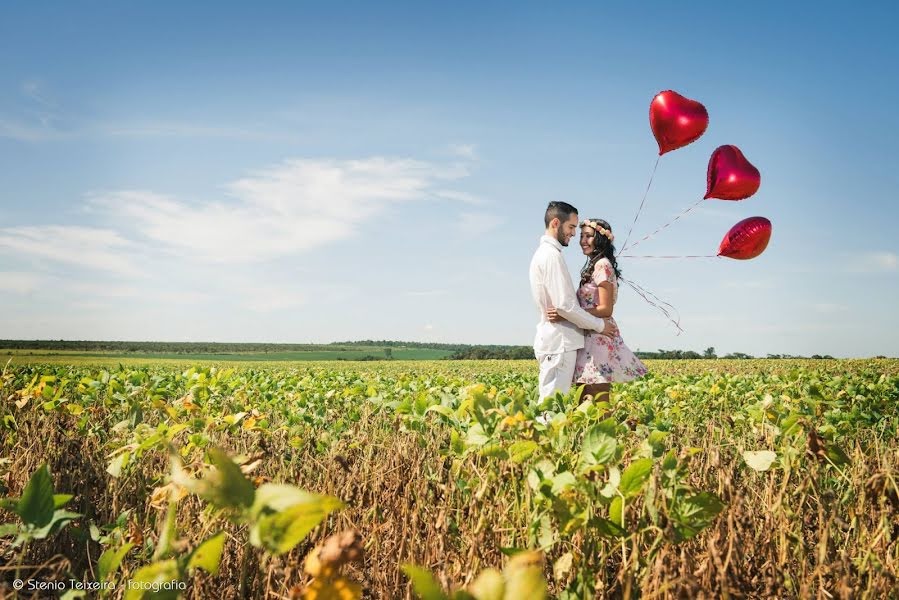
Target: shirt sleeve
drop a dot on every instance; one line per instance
(561, 292)
(602, 271)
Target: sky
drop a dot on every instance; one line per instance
(317, 172)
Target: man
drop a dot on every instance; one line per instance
(556, 344)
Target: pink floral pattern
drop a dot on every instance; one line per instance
(604, 359)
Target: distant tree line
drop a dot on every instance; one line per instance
(396, 344)
(209, 347)
(458, 351)
(710, 353)
(493, 352)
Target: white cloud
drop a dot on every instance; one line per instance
(466, 151)
(93, 248)
(93, 289)
(38, 123)
(19, 282)
(34, 90)
(426, 293)
(276, 212)
(165, 244)
(95, 294)
(180, 297)
(829, 309)
(871, 262)
(187, 130)
(43, 120)
(880, 261)
(91, 306)
(463, 197)
(46, 126)
(273, 298)
(479, 223)
(27, 132)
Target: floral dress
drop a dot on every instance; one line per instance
(604, 359)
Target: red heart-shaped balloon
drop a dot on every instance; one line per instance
(676, 121)
(747, 239)
(730, 175)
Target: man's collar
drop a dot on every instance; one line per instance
(552, 242)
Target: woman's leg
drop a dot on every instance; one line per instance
(597, 392)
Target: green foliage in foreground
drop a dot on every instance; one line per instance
(597, 478)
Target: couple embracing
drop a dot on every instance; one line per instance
(577, 339)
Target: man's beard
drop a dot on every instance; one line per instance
(560, 236)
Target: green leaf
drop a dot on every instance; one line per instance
(424, 584)
(119, 462)
(669, 463)
(111, 559)
(616, 512)
(760, 460)
(207, 555)
(476, 436)
(489, 585)
(168, 533)
(494, 450)
(59, 520)
(563, 481)
(608, 528)
(695, 513)
(225, 486)
(656, 442)
(36, 504)
(8, 529)
(610, 489)
(634, 476)
(836, 454)
(522, 450)
(280, 529)
(234, 489)
(599, 446)
(456, 443)
(234, 419)
(60, 500)
(280, 496)
(547, 536)
(650, 501)
(157, 575)
(445, 411)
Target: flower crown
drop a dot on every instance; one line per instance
(599, 229)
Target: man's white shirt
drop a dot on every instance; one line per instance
(551, 287)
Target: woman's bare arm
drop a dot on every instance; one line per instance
(604, 304)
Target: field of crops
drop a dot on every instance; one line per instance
(767, 478)
(87, 357)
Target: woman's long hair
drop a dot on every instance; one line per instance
(602, 248)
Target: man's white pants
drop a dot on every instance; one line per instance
(556, 372)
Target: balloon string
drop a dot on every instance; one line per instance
(657, 303)
(640, 209)
(682, 256)
(665, 226)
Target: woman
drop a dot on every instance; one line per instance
(603, 360)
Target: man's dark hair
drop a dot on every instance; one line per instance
(560, 210)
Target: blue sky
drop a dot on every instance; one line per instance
(296, 173)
